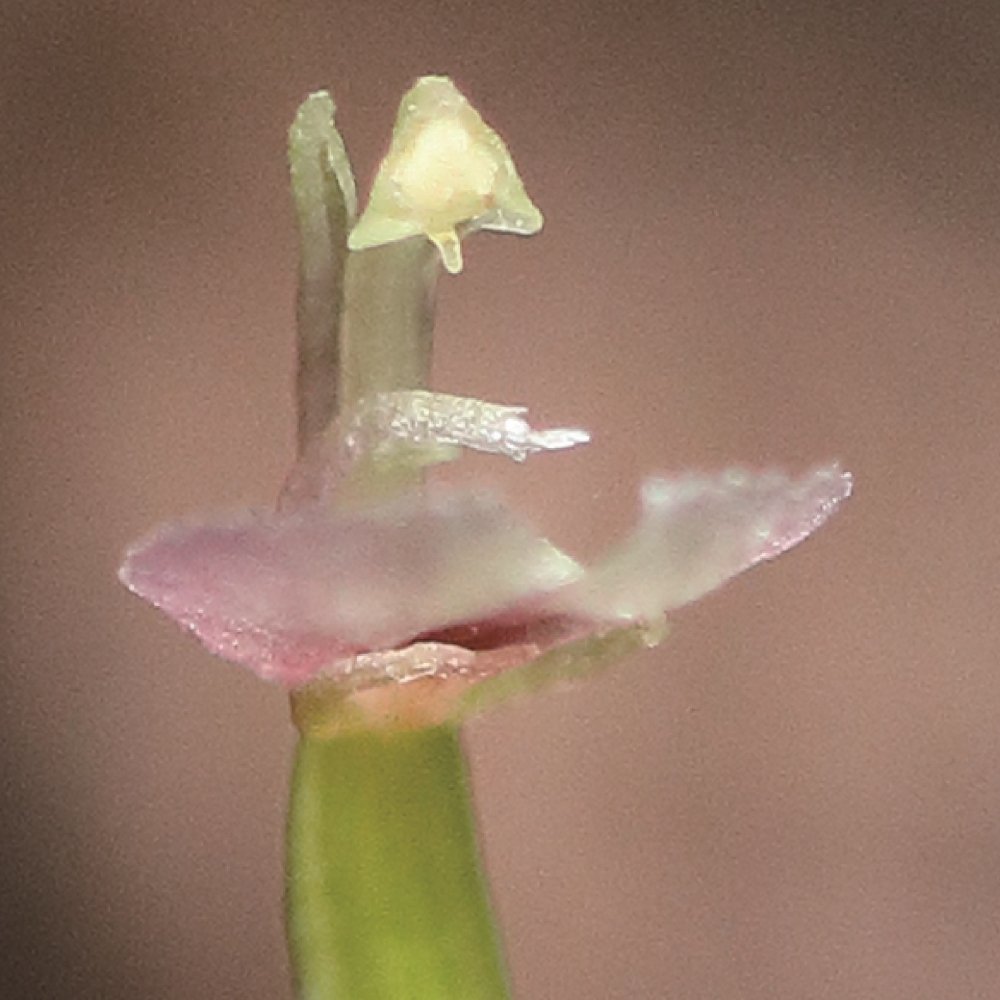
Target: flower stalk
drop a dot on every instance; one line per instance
(385, 896)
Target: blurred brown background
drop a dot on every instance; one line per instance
(773, 234)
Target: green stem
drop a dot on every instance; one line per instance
(385, 897)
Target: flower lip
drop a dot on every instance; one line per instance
(295, 595)
(290, 593)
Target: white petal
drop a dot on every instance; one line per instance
(698, 532)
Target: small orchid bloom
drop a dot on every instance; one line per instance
(446, 174)
(453, 586)
(369, 582)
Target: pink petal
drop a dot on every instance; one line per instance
(287, 594)
(698, 532)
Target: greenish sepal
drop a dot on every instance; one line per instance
(326, 206)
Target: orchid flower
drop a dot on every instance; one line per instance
(391, 606)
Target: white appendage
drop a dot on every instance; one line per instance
(434, 419)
